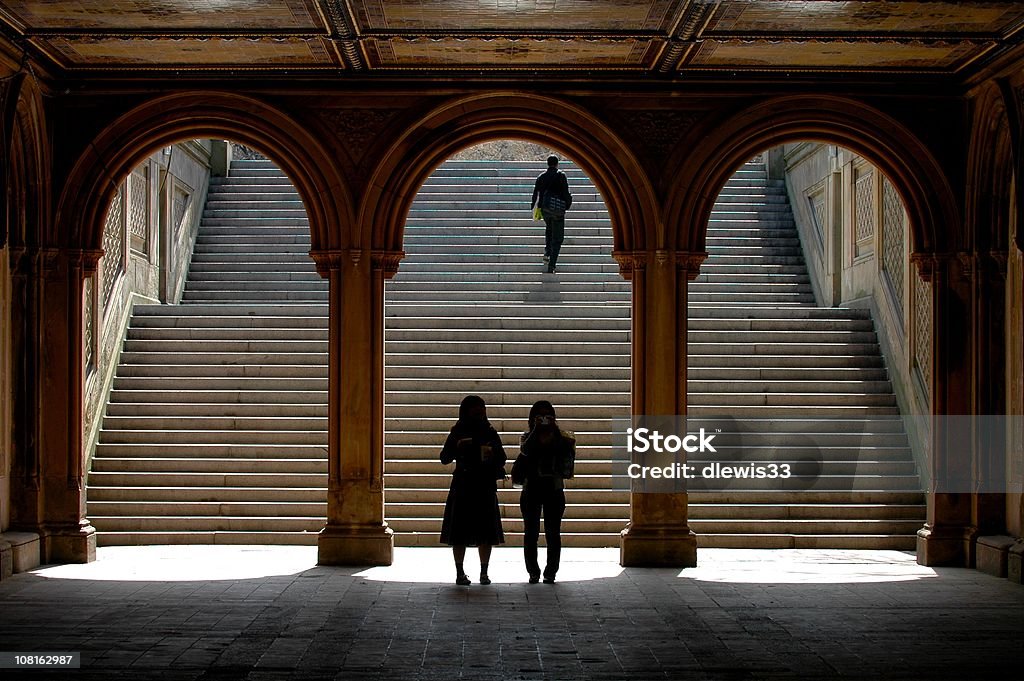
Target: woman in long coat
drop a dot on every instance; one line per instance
(471, 516)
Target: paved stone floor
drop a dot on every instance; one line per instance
(220, 613)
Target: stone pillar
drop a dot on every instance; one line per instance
(989, 394)
(658, 534)
(356, 533)
(50, 466)
(948, 535)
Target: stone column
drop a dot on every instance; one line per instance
(658, 534)
(989, 394)
(356, 533)
(51, 467)
(948, 535)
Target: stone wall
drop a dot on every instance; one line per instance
(1014, 385)
(148, 239)
(856, 239)
(5, 390)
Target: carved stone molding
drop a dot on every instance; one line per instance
(927, 265)
(345, 33)
(387, 261)
(630, 262)
(657, 132)
(357, 128)
(689, 263)
(328, 261)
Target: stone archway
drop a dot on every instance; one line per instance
(90, 186)
(936, 233)
(657, 533)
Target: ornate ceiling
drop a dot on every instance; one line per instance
(672, 37)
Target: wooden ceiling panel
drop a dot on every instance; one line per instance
(513, 15)
(113, 52)
(832, 55)
(871, 18)
(422, 53)
(164, 15)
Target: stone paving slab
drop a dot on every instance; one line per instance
(220, 613)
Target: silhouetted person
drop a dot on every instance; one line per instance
(551, 194)
(471, 516)
(550, 454)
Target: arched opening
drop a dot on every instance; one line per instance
(253, 355)
(206, 364)
(810, 341)
(472, 310)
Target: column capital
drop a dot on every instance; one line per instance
(930, 264)
(630, 262)
(689, 263)
(333, 259)
(387, 262)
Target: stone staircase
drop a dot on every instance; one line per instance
(216, 426)
(801, 383)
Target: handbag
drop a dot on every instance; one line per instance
(519, 470)
(554, 205)
(538, 214)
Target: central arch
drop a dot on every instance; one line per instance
(461, 123)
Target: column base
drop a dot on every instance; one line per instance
(648, 547)
(358, 545)
(945, 546)
(68, 543)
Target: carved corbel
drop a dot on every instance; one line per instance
(387, 262)
(327, 261)
(689, 263)
(630, 262)
(927, 265)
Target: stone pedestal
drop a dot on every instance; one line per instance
(70, 543)
(661, 540)
(993, 554)
(358, 545)
(944, 546)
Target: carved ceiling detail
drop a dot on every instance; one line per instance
(671, 37)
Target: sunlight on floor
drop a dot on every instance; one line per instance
(435, 566)
(805, 566)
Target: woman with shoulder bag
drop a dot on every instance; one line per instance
(471, 515)
(547, 457)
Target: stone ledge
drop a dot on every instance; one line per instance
(993, 554)
(24, 552)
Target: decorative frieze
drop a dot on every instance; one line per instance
(113, 244)
(893, 238)
(923, 332)
(657, 132)
(138, 208)
(89, 325)
(357, 128)
(864, 212)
